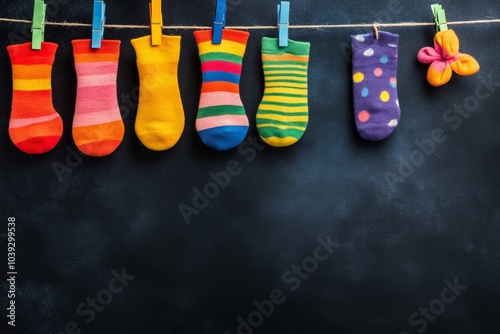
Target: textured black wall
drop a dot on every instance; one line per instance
(395, 244)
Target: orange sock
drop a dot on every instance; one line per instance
(35, 127)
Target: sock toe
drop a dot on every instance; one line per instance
(224, 137)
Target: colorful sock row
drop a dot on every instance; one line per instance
(283, 114)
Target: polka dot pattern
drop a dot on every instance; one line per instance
(376, 101)
(363, 116)
(385, 96)
(358, 77)
(394, 82)
(393, 123)
(368, 52)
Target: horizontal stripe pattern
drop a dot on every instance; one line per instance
(209, 87)
(32, 84)
(106, 131)
(21, 122)
(221, 76)
(217, 121)
(283, 113)
(215, 56)
(269, 107)
(34, 127)
(97, 126)
(217, 66)
(27, 72)
(97, 80)
(96, 68)
(37, 132)
(220, 110)
(234, 48)
(221, 121)
(22, 54)
(98, 117)
(213, 99)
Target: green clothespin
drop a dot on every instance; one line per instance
(439, 17)
(38, 26)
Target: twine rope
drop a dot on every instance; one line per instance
(319, 26)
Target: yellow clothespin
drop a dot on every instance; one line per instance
(156, 21)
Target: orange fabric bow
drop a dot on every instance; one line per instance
(444, 58)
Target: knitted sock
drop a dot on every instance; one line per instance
(283, 114)
(221, 122)
(445, 58)
(374, 68)
(35, 127)
(160, 116)
(97, 127)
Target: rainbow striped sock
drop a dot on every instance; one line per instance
(35, 127)
(221, 122)
(283, 114)
(98, 126)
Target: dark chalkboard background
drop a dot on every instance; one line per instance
(395, 245)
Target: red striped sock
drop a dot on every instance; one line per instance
(35, 127)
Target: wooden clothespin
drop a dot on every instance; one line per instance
(375, 29)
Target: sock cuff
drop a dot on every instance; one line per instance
(271, 45)
(237, 36)
(108, 47)
(168, 43)
(384, 39)
(46, 55)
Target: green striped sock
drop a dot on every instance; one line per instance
(283, 114)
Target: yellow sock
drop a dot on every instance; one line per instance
(160, 115)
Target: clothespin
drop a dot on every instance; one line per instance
(98, 23)
(375, 29)
(283, 23)
(439, 17)
(156, 21)
(38, 25)
(219, 22)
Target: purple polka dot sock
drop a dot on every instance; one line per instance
(374, 69)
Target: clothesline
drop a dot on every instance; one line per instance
(320, 26)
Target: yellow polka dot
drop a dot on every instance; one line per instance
(384, 96)
(358, 77)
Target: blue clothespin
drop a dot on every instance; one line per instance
(219, 22)
(439, 17)
(38, 25)
(98, 23)
(283, 23)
